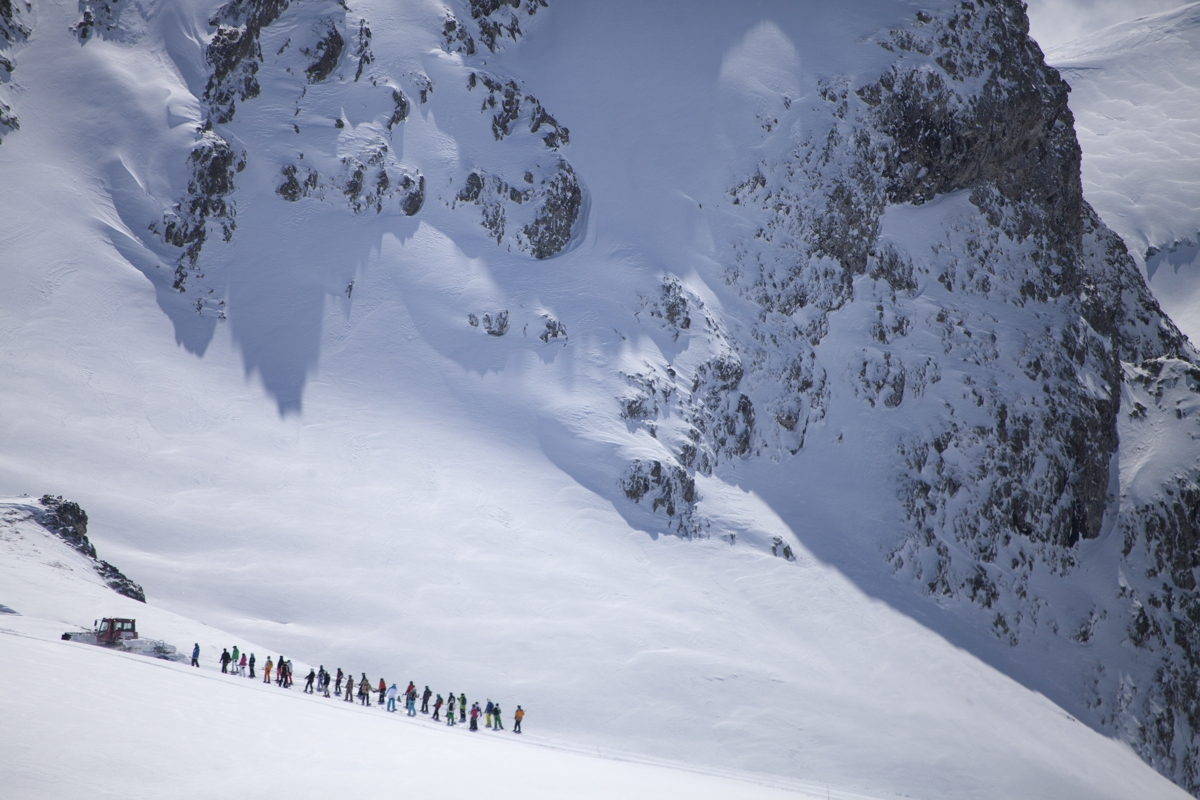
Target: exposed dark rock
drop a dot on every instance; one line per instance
(414, 196)
(553, 330)
(234, 54)
(510, 105)
(12, 29)
(551, 229)
(670, 489)
(292, 188)
(552, 207)
(496, 325)
(69, 522)
(213, 166)
(328, 52)
(362, 50)
(401, 111)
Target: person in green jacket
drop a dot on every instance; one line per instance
(462, 707)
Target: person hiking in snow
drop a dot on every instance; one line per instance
(242, 666)
(410, 699)
(382, 689)
(252, 666)
(349, 698)
(308, 682)
(517, 717)
(235, 657)
(475, 712)
(437, 706)
(287, 680)
(425, 699)
(462, 707)
(450, 710)
(325, 688)
(225, 659)
(487, 714)
(196, 655)
(497, 725)
(391, 698)
(267, 670)
(337, 687)
(364, 691)
(280, 666)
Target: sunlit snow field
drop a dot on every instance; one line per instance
(369, 482)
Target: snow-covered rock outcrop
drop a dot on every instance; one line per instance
(871, 298)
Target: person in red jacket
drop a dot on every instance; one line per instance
(475, 712)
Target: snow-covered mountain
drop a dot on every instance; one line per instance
(459, 308)
(1135, 93)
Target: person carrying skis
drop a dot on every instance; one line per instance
(252, 666)
(462, 707)
(242, 666)
(475, 712)
(337, 687)
(497, 725)
(267, 670)
(425, 699)
(382, 689)
(450, 710)
(391, 698)
(437, 706)
(487, 714)
(517, 717)
(225, 659)
(364, 691)
(308, 682)
(196, 655)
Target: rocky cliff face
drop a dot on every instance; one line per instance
(923, 254)
(934, 218)
(69, 522)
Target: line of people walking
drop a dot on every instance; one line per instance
(318, 681)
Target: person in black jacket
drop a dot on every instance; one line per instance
(225, 659)
(425, 700)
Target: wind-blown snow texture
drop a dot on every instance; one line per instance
(799, 282)
(1136, 98)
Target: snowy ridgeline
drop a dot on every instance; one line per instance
(832, 289)
(1135, 93)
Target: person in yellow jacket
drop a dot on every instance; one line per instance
(267, 670)
(518, 715)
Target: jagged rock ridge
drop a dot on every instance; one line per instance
(69, 522)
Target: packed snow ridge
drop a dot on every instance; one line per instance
(838, 305)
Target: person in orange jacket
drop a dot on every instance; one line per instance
(517, 717)
(267, 670)
(382, 689)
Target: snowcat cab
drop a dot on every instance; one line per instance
(108, 631)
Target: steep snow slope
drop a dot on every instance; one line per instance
(1136, 98)
(935, 723)
(459, 311)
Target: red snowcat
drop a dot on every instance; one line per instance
(110, 631)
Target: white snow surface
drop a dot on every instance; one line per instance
(365, 480)
(1135, 94)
